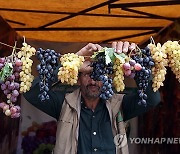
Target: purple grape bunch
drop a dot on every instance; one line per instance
(143, 76)
(10, 87)
(101, 72)
(48, 63)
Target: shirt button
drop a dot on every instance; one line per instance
(94, 133)
(95, 149)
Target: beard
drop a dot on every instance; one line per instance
(91, 91)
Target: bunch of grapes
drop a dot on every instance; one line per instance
(10, 110)
(102, 72)
(130, 67)
(127, 67)
(48, 62)
(172, 48)
(10, 87)
(71, 64)
(118, 79)
(26, 77)
(143, 74)
(159, 56)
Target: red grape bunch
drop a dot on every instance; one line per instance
(10, 85)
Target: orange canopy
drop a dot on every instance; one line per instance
(89, 20)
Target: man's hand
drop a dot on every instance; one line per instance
(123, 46)
(89, 49)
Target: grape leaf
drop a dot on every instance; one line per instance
(121, 57)
(109, 53)
(6, 71)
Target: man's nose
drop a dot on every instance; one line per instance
(93, 82)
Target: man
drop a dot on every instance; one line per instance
(86, 123)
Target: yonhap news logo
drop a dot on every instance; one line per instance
(154, 140)
(120, 140)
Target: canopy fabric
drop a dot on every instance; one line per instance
(89, 20)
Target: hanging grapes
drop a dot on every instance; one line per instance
(108, 66)
(48, 63)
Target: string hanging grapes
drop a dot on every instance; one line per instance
(108, 66)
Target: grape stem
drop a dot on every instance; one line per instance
(55, 83)
(8, 45)
(130, 53)
(139, 50)
(14, 49)
(152, 40)
(24, 41)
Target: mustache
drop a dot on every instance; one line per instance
(93, 85)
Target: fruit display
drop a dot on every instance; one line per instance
(109, 67)
(15, 78)
(134, 64)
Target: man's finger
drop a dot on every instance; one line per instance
(114, 45)
(91, 47)
(125, 46)
(98, 47)
(119, 47)
(132, 46)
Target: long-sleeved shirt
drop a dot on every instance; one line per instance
(95, 133)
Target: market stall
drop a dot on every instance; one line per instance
(30, 131)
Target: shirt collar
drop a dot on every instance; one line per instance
(99, 106)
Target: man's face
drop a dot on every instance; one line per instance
(89, 87)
